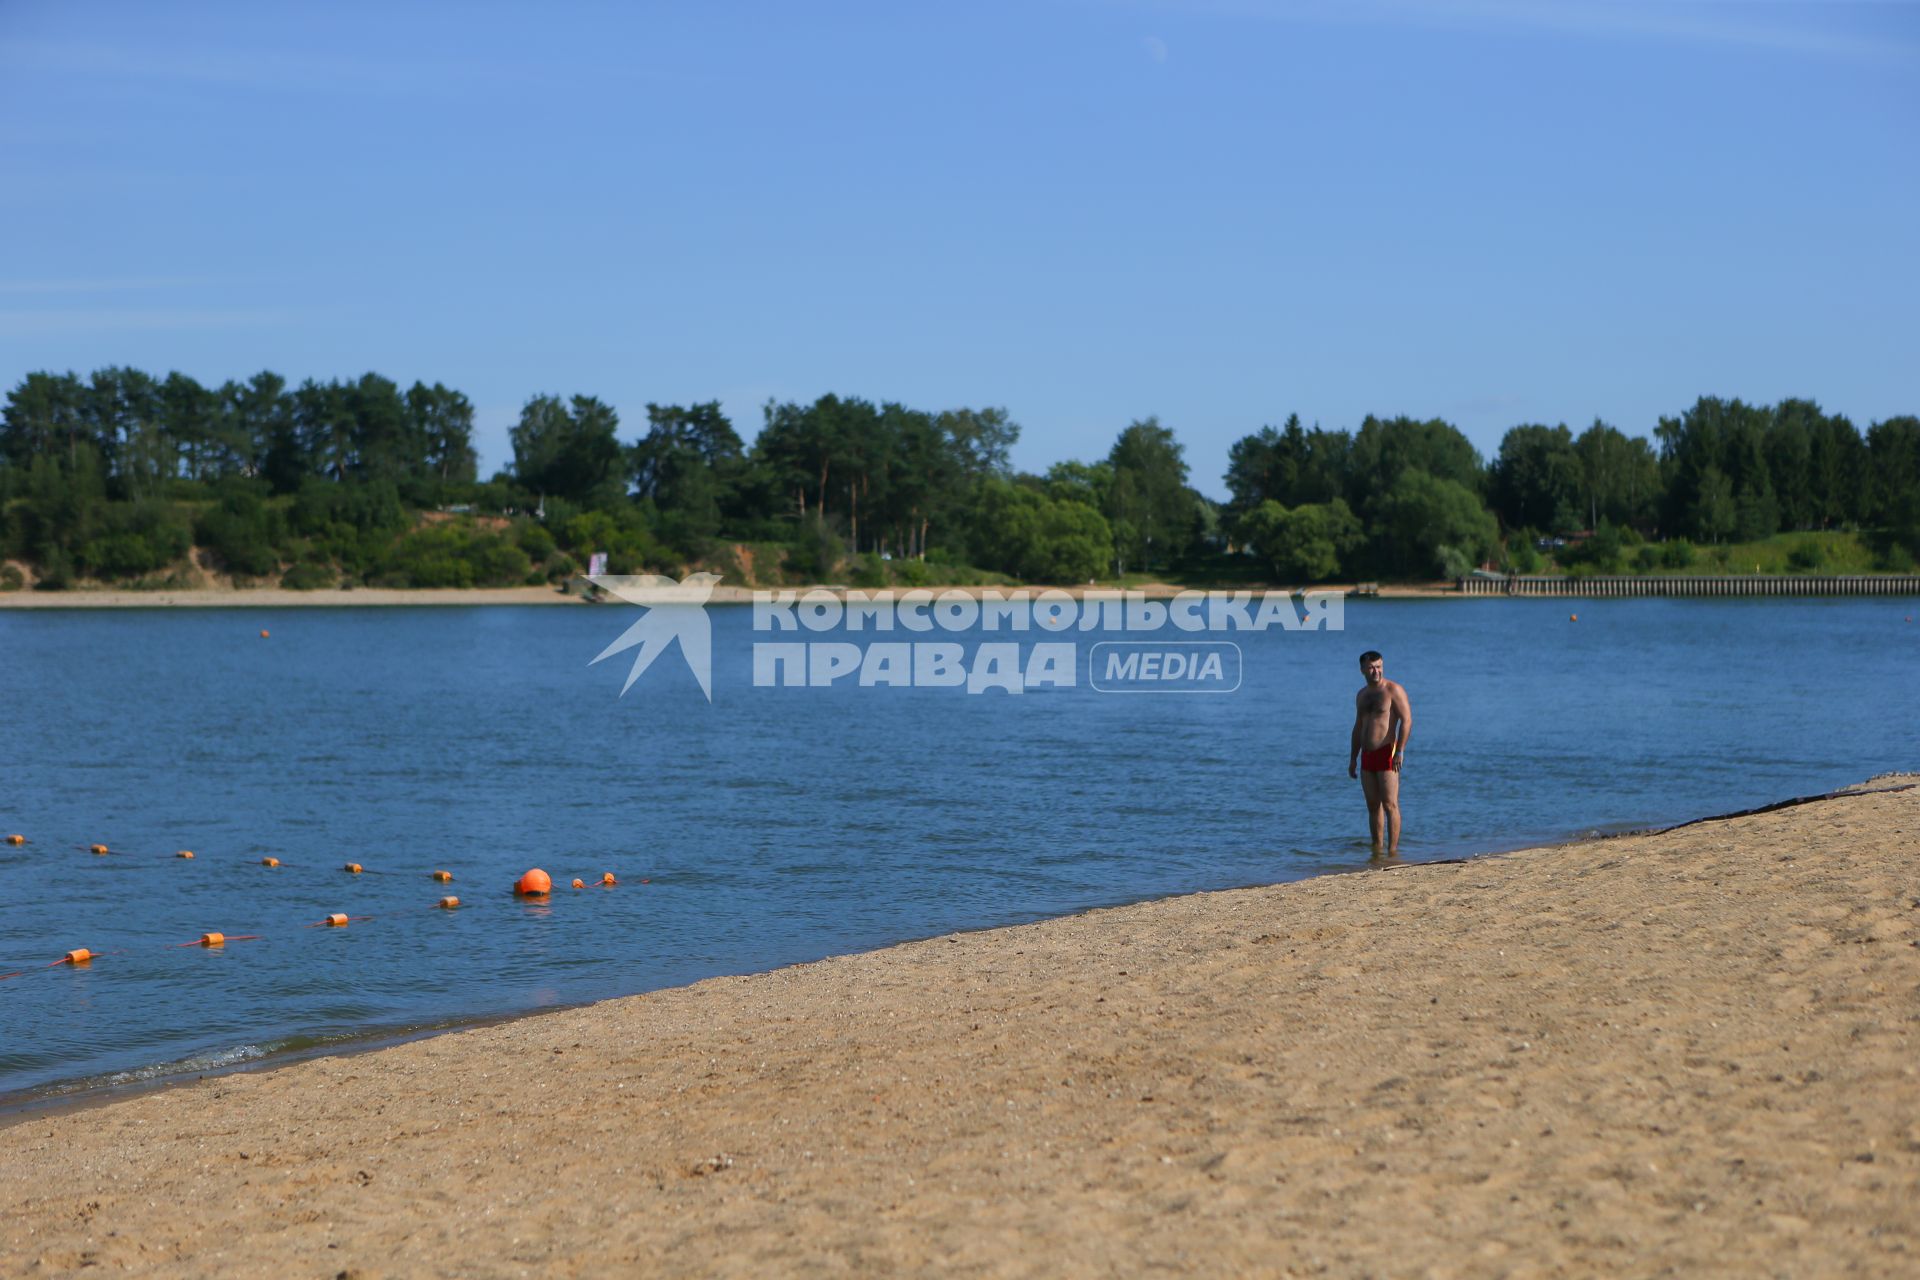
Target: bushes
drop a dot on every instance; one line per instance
(135, 539)
(453, 556)
(1307, 544)
(307, 577)
(814, 551)
(242, 532)
(1806, 556)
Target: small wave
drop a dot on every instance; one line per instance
(214, 1061)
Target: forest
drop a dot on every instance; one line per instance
(129, 479)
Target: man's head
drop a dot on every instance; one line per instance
(1371, 666)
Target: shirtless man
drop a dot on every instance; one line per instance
(1382, 720)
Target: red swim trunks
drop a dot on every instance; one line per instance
(1380, 761)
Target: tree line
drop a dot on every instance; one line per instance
(118, 475)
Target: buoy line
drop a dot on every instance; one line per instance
(535, 883)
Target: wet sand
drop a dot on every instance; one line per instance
(1690, 1053)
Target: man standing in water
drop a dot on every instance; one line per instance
(1381, 722)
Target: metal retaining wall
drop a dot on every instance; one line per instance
(1815, 584)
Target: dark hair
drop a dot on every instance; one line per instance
(1371, 655)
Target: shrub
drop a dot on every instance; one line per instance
(1806, 556)
(814, 552)
(307, 577)
(497, 562)
(534, 540)
(912, 573)
(240, 533)
(55, 572)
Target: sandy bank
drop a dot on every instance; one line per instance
(278, 598)
(1690, 1053)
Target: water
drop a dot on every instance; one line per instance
(780, 825)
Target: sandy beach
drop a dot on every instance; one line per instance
(279, 598)
(1690, 1053)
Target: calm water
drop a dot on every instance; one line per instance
(781, 825)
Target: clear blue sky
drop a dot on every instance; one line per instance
(1219, 213)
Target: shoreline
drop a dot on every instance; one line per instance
(1340, 1073)
(60, 1097)
(381, 597)
(1764, 587)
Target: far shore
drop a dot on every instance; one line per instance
(280, 598)
(1688, 1052)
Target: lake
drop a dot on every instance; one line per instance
(778, 825)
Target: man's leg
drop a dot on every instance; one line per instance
(1370, 788)
(1389, 784)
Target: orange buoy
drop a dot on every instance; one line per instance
(449, 903)
(534, 883)
(1573, 617)
(96, 848)
(213, 939)
(263, 635)
(184, 853)
(335, 921)
(443, 876)
(23, 839)
(606, 878)
(354, 868)
(269, 862)
(578, 883)
(82, 956)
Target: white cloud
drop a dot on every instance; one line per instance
(1786, 28)
(105, 284)
(21, 323)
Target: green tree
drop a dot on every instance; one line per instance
(1726, 438)
(1021, 531)
(1290, 466)
(1426, 525)
(569, 450)
(1383, 450)
(1619, 478)
(1836, 473)
(45, 415)
(441, 422)
(1309, 543)
(1150, 508)
(1536, 476)
(1893, 454)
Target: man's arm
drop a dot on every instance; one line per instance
(1403, 721)
(1353, 739)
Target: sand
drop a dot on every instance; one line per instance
(280, 598)
(1690, 1053)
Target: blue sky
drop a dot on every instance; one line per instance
(1218, 213)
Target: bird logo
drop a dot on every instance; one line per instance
(675, 611)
